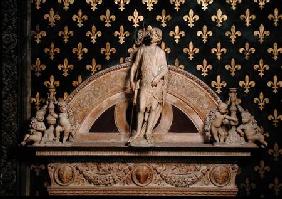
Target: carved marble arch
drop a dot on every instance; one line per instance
(110, 88)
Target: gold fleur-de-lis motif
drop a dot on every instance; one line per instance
(122, 4)
(93, 67)
(79, 51)
(38, 3)
(37, 100)
(76, 83)
(205, 33)
(80, 18)
(261, 3)
(219, 18)
(177, 64)
(204, 67)
(150, 4)
(191, 18)
(94, 3)
(275, 118)
(108, 18)
(248, 186)
(260, 67)
(135, 18)
(93, 34)
(52, 50)
(204, 3)
(275, 152)
(274, 51)
(66, 3)
(191, 50)
(261, 101)
(176, 34)
(177, 3)
(247, 84)
(248, 17)
(276, 186)
(165, 48)
(232, 34)
(65, 67)
(121, 34)
(108, 50)
(275, 17)
(38, 67)
(218, 51)
(218, 84)
(52, 83)
(261, 33)
(233, 3)
(232, 67)
(163, 18)
(275, 84)
(247, 51)
(52, 17)
(38, 34)
(66, 34)
(261, 169)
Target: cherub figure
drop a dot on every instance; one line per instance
(250, 130)
(218, 129)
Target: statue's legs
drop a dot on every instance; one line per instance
(152, 119)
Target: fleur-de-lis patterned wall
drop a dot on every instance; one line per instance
(226, 43)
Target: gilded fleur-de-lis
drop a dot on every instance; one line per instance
(65, 67)
(205, 33)
(276, 186)
(93, 34)
(191, 50)
(248, 186)
(275, 152)
(177, 3)
(37, 100)
(176, 34)
(80, 18)
(232, 34)
(204, 67)
(248, 17)
(150, 4)
(52, 17)
(135, 18)
(274, 51)
(191, 18)
(204, 3)
(218, 51)
(52, 50)
(94, 3)
(93, 67)
(247, 84)
(108, 18)
(275, 84)
(233, 3)
(38, 3)
(232, 67)
(261, 3)
(261, 169)
(163, 18)
(122, 3)
(275, 17)
(219, 18)
(165, 48)
(38, 67)
(247, 50)
(261, 101)
(51, 84)
(38, 34)
(260, 67)
(218, 84)
(275, 118)
(177, 64)
(79, 51)
(121, 34)
(108, 50)
(66, 3)
(76, 83)
(66, 34)
(261, 33)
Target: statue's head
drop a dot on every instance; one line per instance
(222, 107)
(246, 117)
(155, 34)
(40, 115)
